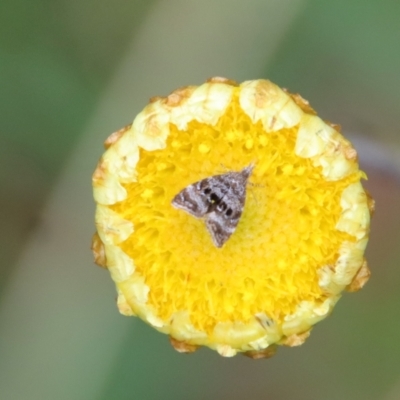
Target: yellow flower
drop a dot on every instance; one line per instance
(299, 242)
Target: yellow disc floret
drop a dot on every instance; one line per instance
(298, 244)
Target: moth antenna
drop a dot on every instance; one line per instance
(253, 195)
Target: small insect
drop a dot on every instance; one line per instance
(219, 199)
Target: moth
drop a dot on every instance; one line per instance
(218, 199)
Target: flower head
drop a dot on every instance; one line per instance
(299, 241)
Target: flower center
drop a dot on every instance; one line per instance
(285, 234)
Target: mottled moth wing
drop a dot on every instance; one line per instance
(222, 223)
(220, 199)
(194, 198)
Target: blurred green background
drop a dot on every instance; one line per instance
(72, 72)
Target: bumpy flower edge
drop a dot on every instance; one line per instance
(262, 101)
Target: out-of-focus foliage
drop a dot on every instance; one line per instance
(57, 59)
